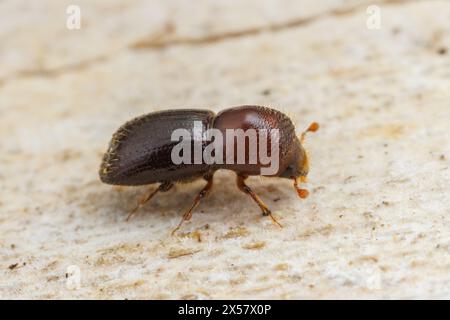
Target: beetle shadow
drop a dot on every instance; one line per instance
(117, 202)
(228, 195)
(225, 199)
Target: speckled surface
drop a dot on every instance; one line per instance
(376, 224)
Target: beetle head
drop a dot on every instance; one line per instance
(298, 170)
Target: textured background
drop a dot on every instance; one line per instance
(377, 222)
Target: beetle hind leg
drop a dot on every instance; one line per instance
(246, 189)
(202, 194)
(163, 187)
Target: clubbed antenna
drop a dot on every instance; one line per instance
(313, 127)
(302, 193)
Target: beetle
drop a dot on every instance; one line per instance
(141, 152)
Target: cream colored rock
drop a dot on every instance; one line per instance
(376, 224)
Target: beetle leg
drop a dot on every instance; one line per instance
(163, 187)
(202, 194)
(245, 188)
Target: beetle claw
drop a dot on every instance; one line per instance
(275, 220)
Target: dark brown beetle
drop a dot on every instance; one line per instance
(140, 152)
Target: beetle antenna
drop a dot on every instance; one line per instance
(313, 127)
(302, 193)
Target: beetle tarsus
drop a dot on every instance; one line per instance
(202, 194)
(163, 187)
(275, 220)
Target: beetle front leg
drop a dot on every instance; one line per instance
(245, 188)
(202, 194)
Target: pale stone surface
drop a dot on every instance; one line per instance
(376, 224)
